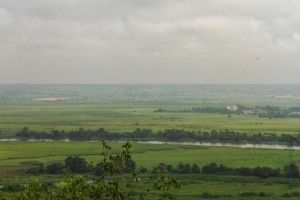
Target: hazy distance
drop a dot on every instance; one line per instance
(157, 41)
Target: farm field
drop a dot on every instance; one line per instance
(122, 109)
(119, 108)
(120, 117)
(193, 186)
(146, 155)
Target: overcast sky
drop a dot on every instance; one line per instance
(150, 41)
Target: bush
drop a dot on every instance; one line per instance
(55, 168)
(143, 170)
(76, 164)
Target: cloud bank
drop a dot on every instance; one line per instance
(157, 41)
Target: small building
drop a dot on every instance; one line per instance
(232, 107)
(249, 112)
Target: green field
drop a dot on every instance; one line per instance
(147, 155)
(12, 154)
(123, 117)
(123, 108)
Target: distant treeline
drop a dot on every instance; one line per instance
(289, 171)
(259, 111)
(76, 164)
(223, 136)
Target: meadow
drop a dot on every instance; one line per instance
(126, 117)
(123, 108)
(119, 108)
(15, 155)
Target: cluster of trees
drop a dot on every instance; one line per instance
(198, 110)
(76, 135)
(260, 111)
(290, 171)
(165, 135)
(215, 136)
(78, 165)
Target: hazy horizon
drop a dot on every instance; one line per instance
(150, 42)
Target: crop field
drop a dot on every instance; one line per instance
(15, 155)
(146, 155)
(123, 117)
(125, 108)
(122, 109)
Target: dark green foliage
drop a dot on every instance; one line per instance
(55, 168)
(129, 166)
(37, 169)
(292, 194)
(167, 134)
(143, 170)
(76, 164)
(209, 195)
(184, 168)
(99, 169)
(211, 168)
(291, 170)
(161, 168)
(141, 133)
(265, 172)
(195, 169)
(254, 194)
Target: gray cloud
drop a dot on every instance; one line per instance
(157, 41)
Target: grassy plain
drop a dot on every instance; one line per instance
(147, 155)
(121, 108)
(123, 117)
(195, 186)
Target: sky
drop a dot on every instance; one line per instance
(150, 41)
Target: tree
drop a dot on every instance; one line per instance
(76, 164)
(55, 168)
(291, 170)
(262, 172)
(99, 169)
(143, 170)
(161, 168)
(38, 169)
(195, 169)
(24, 133)
(186, 169)
(129, 166)
(211, 168)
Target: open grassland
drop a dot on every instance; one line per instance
(124, 117)
(125, 108)
(121, 108)
(193, 186)
(146, 155)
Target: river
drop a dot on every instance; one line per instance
(207, 144)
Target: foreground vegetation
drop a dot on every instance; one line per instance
(110, 186)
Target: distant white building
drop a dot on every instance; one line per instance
(232, 107)
(249, 112)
